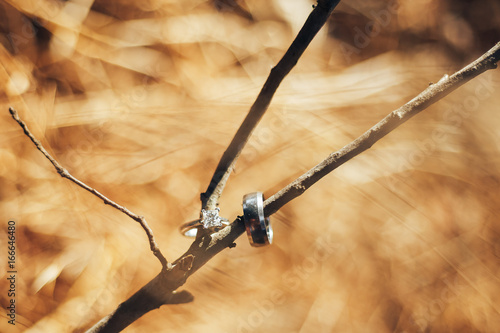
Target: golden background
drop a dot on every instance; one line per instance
(139, 100)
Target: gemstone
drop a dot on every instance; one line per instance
(211, 218)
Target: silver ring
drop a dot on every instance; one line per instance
(259, 230)
(210, 219)
(190, 229)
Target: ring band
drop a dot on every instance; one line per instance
(210, 219)
(190, 229)
(259, 230)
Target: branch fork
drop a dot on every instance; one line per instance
(65, 174)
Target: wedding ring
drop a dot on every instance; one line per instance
(210, 219)
(259, 230)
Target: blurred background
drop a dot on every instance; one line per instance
(139, 100)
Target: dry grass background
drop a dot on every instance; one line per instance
(140, 98)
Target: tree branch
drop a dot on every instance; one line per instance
(207, 246)
(397, 117)
(65, 174)
(313, 24)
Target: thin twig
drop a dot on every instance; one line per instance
(207, 246)
(397, 117)
(64, 173)
(313, 24)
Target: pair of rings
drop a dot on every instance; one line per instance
(258, 227)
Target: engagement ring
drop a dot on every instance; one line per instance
(210, 219)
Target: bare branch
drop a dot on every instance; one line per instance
(397, 117)
(161, 290)
(64, 173)
(207, 246)
(313, 24)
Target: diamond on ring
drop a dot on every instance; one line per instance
(211, 218)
